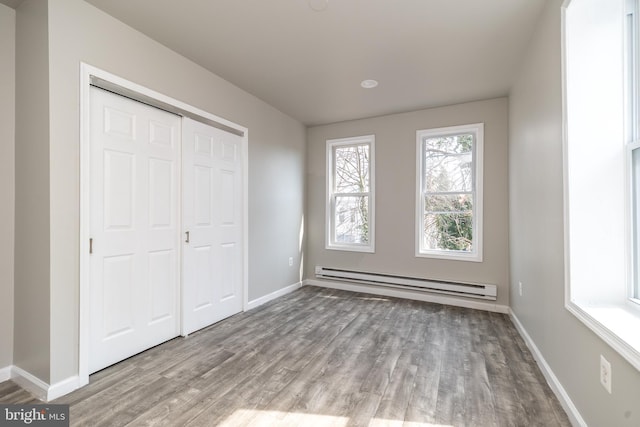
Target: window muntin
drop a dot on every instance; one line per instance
(350, 182)
(448, 217)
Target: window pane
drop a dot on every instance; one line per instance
(448, 163)
(448, 231)
(449, 203)
(450, 192)
(352, 219)
(635, 158)
(352, 169)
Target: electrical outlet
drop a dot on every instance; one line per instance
(290, 261)
(520, 288)
(605, 373)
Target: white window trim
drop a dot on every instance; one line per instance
(632, 245)
(632, 136)
(616, 323)
(478, 149)
(329, 217)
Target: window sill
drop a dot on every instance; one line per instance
(452, 255)
(617, 325)
(366, 249)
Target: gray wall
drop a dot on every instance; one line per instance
(536, 239)
(78, 32)
(32, 251)
(395, 147)
(7, 179)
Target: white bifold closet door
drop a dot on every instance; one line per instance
(212, 215)
(135, 227)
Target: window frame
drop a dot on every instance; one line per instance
(606, 305)
(633, 222)
(632, 143)
(477, 129)
(331, 194)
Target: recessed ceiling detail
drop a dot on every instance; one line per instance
(318, 5)
(369, 83)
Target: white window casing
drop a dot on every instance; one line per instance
(602, 169)
(350, 191)
(447, 183)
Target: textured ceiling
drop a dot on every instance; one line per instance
(309, 64)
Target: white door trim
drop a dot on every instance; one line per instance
(86, 73)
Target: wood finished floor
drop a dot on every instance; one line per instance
(320, 357)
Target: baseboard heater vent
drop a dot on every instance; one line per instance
(469, 290)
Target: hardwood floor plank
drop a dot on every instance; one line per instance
(133, 403)
(196, 366)
(173, 404)
(320, 357)
(380, 374)
(528, 383)
(11, 392)
(396, 398)
(423, 402)
(450, 402)
(479, 408)
(507, 404)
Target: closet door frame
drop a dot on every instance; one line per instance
(90, 75)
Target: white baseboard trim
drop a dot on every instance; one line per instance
(39, 388)
(401, 293)
(562, 395)
(63, 387)
(30, 383)
(273, 295)
(6, 373)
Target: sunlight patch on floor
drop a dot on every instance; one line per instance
(255, 417)
(381, 422)
(418, 424)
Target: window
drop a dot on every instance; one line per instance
(350, 194)
(449, 196)
(602, 169)
(632, 136)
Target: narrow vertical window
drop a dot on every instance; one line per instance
(350, 194)
(449, 193)
(632, 132)
(601, 153)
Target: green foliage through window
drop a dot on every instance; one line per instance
(448, 187)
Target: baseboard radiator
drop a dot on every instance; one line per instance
(469, 290)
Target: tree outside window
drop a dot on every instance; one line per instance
(448, 192)
(350, 182)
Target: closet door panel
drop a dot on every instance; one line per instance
(212, 219)
(134, 223)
